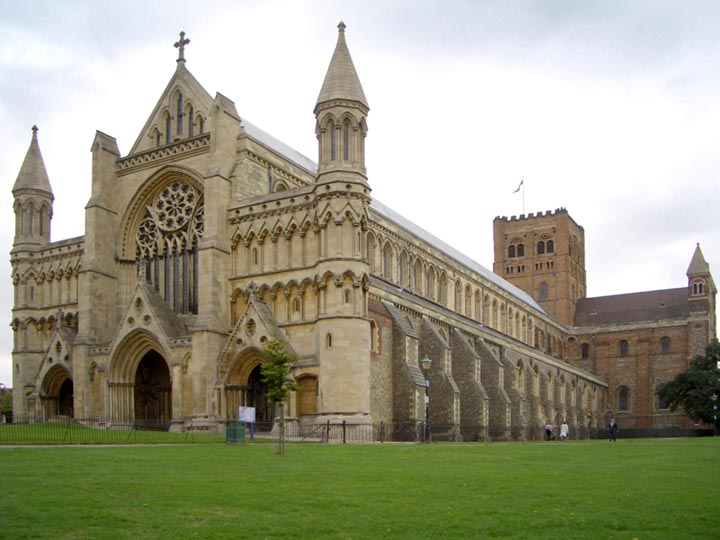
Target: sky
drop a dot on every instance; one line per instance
(609, 109)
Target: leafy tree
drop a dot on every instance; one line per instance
(276, 374)
(693, 389)
(5, 401)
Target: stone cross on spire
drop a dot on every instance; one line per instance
(181, 46)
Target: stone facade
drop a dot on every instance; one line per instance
(212, 236)
(634, 342)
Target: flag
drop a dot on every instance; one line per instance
(520, 185)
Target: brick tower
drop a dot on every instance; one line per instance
(544, 255)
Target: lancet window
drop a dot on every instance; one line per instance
(167, 245)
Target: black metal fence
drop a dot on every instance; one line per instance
(65, 430)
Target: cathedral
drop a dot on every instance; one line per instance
(211, 237)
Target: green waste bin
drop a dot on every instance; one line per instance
(234, 431)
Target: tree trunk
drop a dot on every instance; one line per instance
(281, 441)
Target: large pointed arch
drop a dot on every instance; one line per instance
(139, 382)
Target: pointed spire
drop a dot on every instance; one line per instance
(341, 80)
(698, 264)
(33, 174)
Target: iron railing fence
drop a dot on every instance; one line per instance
(61, 430)
(64, 430)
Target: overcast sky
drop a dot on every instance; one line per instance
(610, 109)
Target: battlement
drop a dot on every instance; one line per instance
(531, 215)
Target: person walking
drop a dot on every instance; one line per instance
(613, 429)
(564, 431)
(548, 431)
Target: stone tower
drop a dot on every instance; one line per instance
(342, 198)
(33, 206)
(701, 303)
(544, 255)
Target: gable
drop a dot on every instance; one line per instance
(182, 112)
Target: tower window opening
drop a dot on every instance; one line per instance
(179, 114)
(540, 248)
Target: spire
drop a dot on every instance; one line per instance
(341, 80)
(698, 264)
(33, 174)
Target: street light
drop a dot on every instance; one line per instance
(426, 369)
(715, 412)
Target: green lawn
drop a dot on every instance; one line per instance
(634, 489)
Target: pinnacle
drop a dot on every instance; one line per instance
(341, 81)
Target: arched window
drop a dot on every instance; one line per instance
(296, 305)
(520, 250)
(543, 291)
(511, 251)
(623, 347)
(417, 276)
(167, 245)
(347, 296)
(370, 248)
(430, 283)
(346, 140)
(191, 123)
(623, 399)
(179, 114)
(333, 143)
(697, 287)
(550, 246)
(402, 269)
(661, 403)
(665, 345)
(540, 248)
(387, 261)
(585, 351)
(168, 125)
(31, 222)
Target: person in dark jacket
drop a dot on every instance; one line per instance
(613, 429)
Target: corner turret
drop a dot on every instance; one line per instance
(33, 199)
(341, 113)
(701, 303)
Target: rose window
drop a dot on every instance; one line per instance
(175, 205)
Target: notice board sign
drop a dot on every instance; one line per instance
(246, 414)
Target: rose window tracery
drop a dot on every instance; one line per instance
(167, 239)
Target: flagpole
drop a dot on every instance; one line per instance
(523, 187)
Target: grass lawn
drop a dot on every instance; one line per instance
(634, 489)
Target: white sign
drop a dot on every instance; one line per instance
(246, 414)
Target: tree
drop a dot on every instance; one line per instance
(5, 401)
(276, 374)
(693, 389)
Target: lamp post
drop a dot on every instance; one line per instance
(426, 362)
(715, 412)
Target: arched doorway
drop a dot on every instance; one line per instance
(65, 399)
(257, 396)
(153, 393)
(57, 395)
(244, 388)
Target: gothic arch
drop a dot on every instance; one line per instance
(148, 192)
(242, 386)
(140, 382)
(57, 392)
